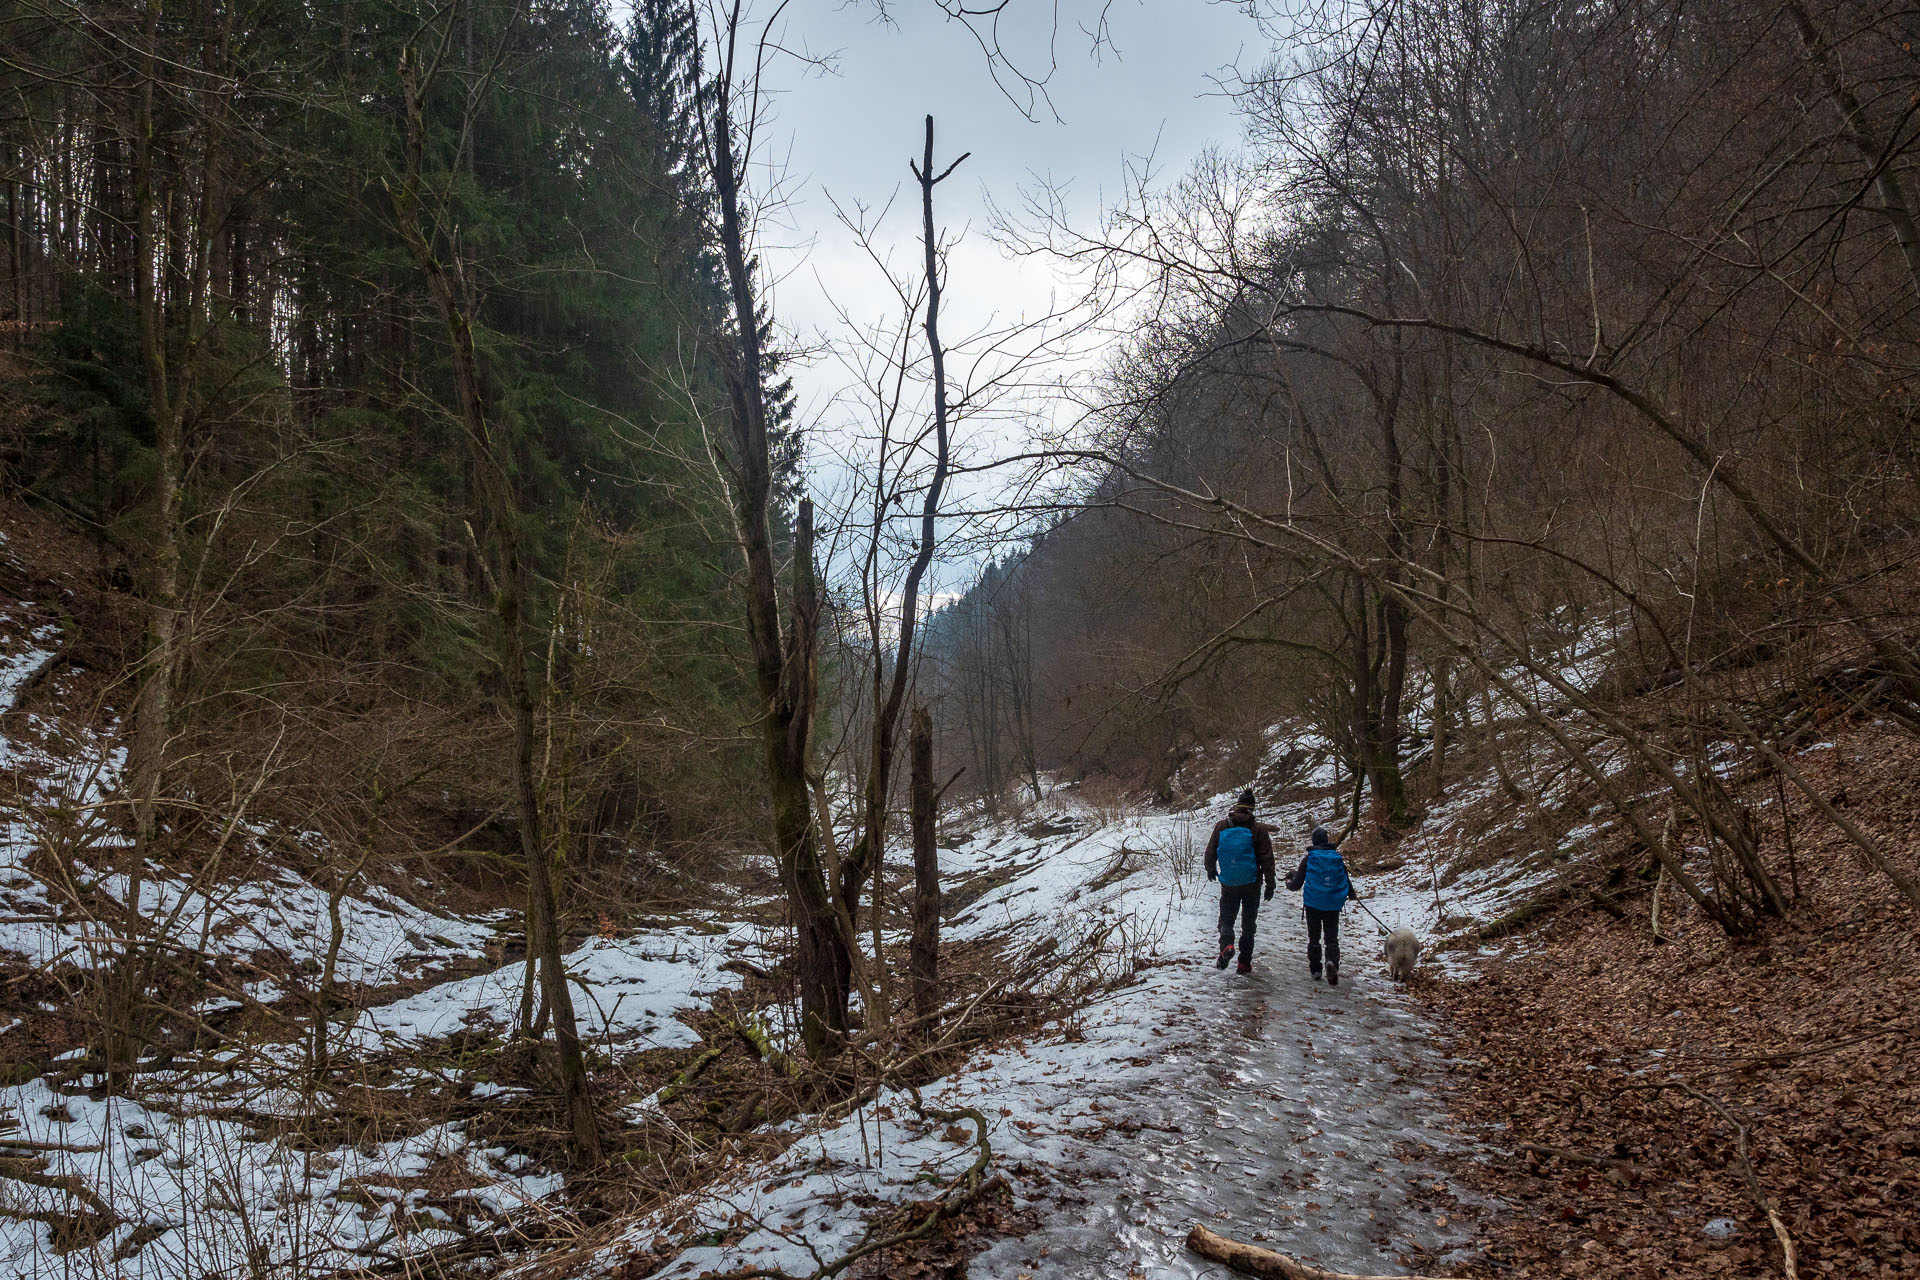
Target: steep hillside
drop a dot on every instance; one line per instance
(333, 1079)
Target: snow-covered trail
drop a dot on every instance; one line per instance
(1274, 1109)
(1277, 1110)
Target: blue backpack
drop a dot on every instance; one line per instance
(1326, 886)
(1235, 855)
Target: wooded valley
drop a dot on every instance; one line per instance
(501, 778)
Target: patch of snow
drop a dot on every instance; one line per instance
(488, 1089)
(628, 992)
(68, 781)
(223, 1200)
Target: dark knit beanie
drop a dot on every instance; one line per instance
(1246, 800)
(1320, 840)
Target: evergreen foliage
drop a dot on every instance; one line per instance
(326, 502)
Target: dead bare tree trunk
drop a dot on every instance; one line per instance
(784, 669)
(890, 694)
(923, 953)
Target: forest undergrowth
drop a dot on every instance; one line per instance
(1652, 1100)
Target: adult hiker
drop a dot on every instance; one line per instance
(1240, 857)
(1324, 887)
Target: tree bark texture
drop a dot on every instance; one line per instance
(923, 954)
(125, 987)
(784, 659)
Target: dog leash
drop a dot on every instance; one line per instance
(1376, 919)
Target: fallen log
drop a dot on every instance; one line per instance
(685, 1078)
(741, 1118)
(1255, 1261)
(761, 1043)
(1514, 920)
(748, 969)
(28, 1144)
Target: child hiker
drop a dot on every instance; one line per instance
(1240, 857)
(1324, 888)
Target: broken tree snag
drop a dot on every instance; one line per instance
(1254, 1261)
(923, 956)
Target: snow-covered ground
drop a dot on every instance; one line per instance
(1266, 1105)
(194, 1195)
(200, 1183)
(205, 1170)
(65, 780)
(627, 992)
(1269, 1106)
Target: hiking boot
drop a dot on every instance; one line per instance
(1315, 973)
(1226, 954)
(1244, 966)
(1333, 975)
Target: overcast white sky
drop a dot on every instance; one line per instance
(848, 133)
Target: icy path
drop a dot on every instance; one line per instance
(1273, 1109)
(1276, 1110)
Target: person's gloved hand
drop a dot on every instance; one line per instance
(1268, 897)
(1212, 876)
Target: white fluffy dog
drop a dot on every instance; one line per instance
(1403, 952)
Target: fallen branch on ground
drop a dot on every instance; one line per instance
(24, 1169)
(1581, 1157)
(1789, 1259)
(28, 1144)
(963, 1192)
(1255, 1261)
(748, 969)
(686, 1077)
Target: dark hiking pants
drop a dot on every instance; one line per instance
(1244, 899)
(1316, 921)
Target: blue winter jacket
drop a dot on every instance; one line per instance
(1327, 885)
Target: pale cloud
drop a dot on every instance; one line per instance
(849, 135)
